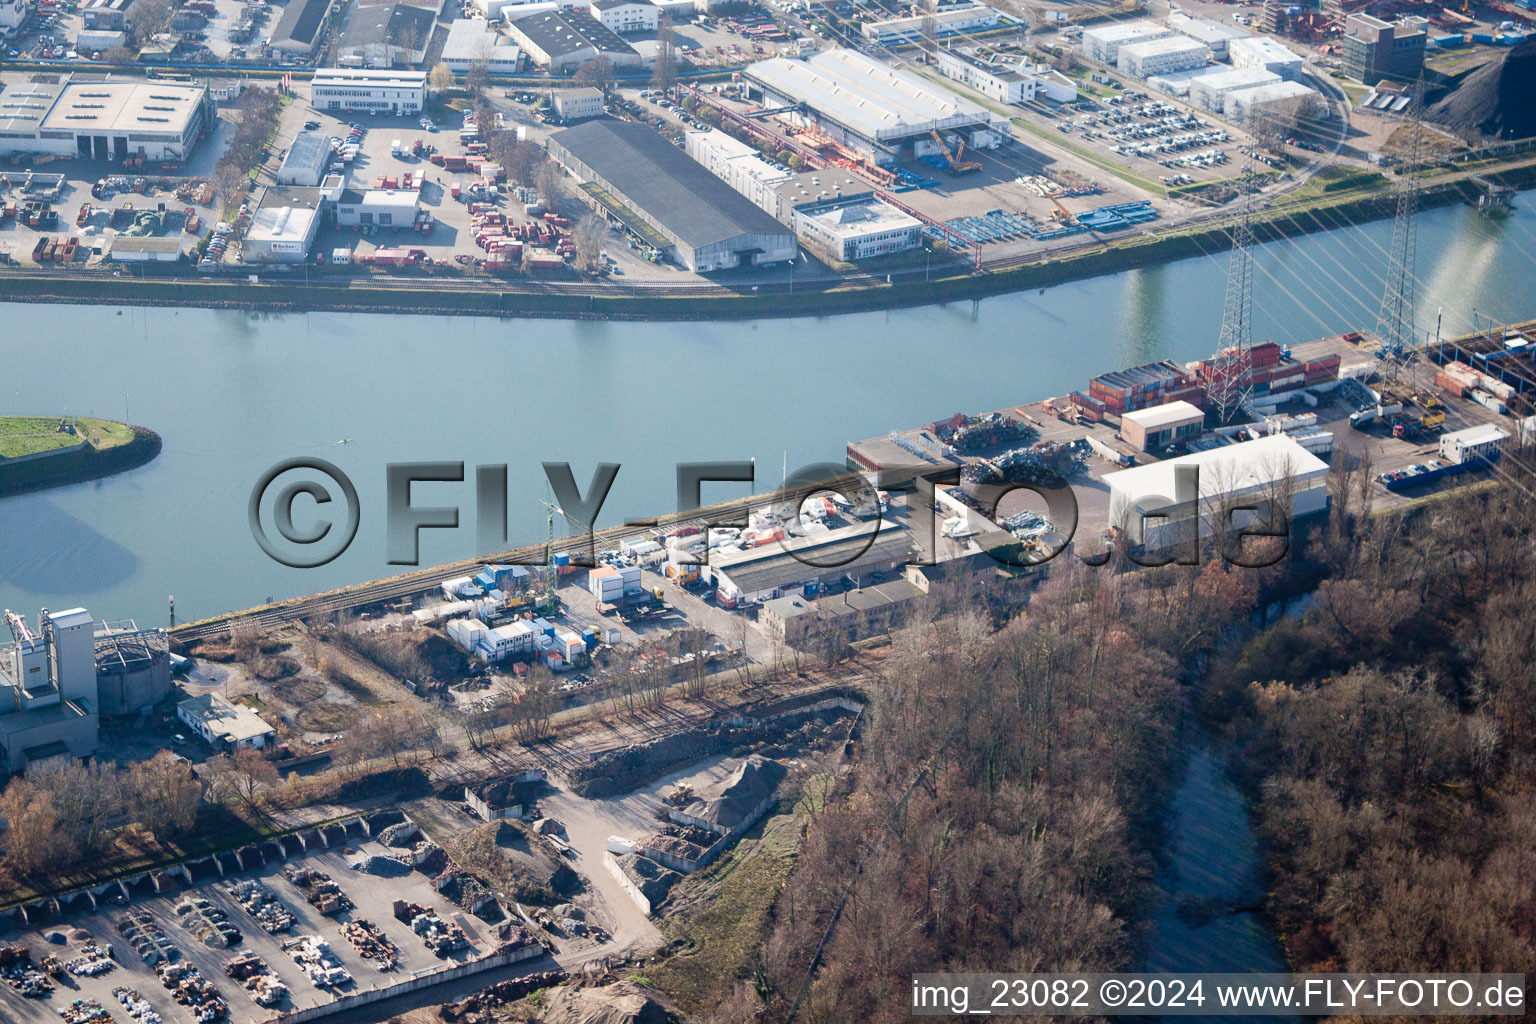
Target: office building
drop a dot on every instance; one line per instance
(1374, 49)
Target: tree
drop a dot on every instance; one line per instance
(441, 78)
(547, 182)
(163, 794)
(589, 236)
(33, 839)
(596, 72)
(117, 55)
(477, 80)
(664, 76)
(148, 18)
(244, 776)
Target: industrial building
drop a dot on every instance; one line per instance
(474, 41)
(377, 207)
(48, 701)
(1289, 100)
(105, 15)
(133, 668)
(1480, 442)
(867, 106)
(298, 32)
(572, 105)
(1102, 43)
(943, 22)
(1154, 428)
(1213, 34)
(621, 16)
(1210, 90)
(1265, 471)
(1162, 56)
(12, 14)
(369, 90)
(103, 120)
(839, 218)
(386, 35)
(283, 228)
(1263, 52)
(854, 613)
(1000, 82)
(762, 573)
(224, 725)
(564, 39)
(739, 166)
(1374, 49)
(629, 171)
(146, 249)
(308, 158)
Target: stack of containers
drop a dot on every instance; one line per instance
(629, 577)
(569, 643)
(607, 585)
(466, 632)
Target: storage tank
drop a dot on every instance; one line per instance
(133, 668)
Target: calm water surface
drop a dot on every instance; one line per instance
(232, 393)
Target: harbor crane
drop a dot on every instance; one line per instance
(19, 630)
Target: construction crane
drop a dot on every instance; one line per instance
(955, 166)
(1061, 211)
(551, 596)
(19, 629)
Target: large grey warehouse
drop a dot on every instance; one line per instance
(627, 170)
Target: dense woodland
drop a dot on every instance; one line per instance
(1387, 736)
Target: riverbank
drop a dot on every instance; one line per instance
(447, 298)
(78, 462)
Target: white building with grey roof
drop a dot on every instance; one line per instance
(103, 120)
(474, 41)
(866, 105)
(564, 39)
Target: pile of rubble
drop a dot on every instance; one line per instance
(193, 991)
(147, 938)
(322, 893)
(403, 834)
(467, 891)
(271, 913)
(384, 867)
(316, 959)
(137, 1006)
(439, 936)
(207, 922)
(257, 978)
(372, 944)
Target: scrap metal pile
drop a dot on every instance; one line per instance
(1039, 464)
(85, 1011)
(147, 938)
(17, 969)
(441, 937)
(372, 944)
(192, 990)
(264, 905)
(252, 972)
(207, 922)
(967, 434)
(322, 893)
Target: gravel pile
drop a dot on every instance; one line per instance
(385, 867)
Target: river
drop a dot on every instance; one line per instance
(233, 392)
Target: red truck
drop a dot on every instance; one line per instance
(396, 257)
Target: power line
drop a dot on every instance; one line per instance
(1231, 383)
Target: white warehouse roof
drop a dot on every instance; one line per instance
(1230, 469)
(1269, 92)
(1265, 49)
(1227, 80)
(1204, 29)
(1168, 44)
(1124, 30)
(1483, 433)
(866, 96)
(1159, 416)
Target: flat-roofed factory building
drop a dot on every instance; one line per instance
(779, 568)
(564, 39)
(367, 89)
(638, 179)
(103, 120)
(839, 217)
(871, 108)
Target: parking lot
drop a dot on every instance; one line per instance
(373, 898)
